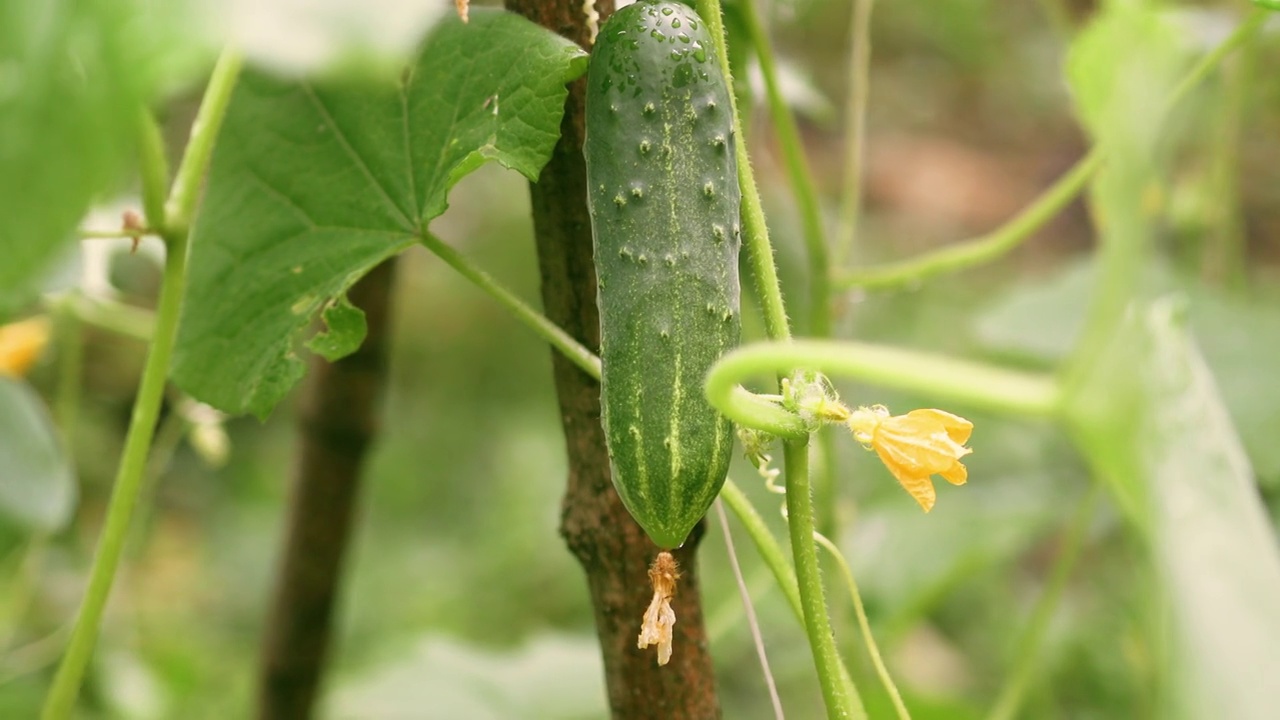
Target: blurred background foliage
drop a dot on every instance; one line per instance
(461, 601)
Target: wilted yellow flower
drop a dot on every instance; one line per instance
(915, 446)
(660, 618)
(21, 344)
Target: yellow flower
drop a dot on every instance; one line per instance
(660, 618)
(915, 446)
(21, 344)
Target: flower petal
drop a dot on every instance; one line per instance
(956, 427)
(918, 486)
(957, 474)
(919, 444)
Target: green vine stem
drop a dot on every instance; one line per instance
(755, 233)
(1024, 666)
(996, 243)
(184, 194)
(154, 166)
(855, 131)
(873, 650)
(798, 173)
(841, 703)
(70, 332)
(575, 351)
(947, 378)
(60, 701)
(981, 249)
(107, 314)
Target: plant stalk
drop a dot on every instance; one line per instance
(835, 693)
(338, 422)
(799, 174)
(755, 232)
(61, 699)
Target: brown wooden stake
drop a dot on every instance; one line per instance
(613, 550)
(338, 420)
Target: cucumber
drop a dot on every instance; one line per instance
(663, 191)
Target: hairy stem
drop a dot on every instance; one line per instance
(798, 173)
(755, 233)
(841, 703)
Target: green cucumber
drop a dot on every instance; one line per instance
(663, 190)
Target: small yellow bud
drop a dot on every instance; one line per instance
(21, 344)
(915, 446)
(660, 618)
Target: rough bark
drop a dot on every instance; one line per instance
(338, 419)
(614, 552)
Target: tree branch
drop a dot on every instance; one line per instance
(338, 421)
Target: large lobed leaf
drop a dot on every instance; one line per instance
(314, 183)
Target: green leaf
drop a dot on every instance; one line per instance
(37, 482)
(68, 93)
(314, 183)
(346, 329)
(1150, 419)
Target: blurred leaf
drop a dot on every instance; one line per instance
(1042, 320)
(37, 482)
(70, 85)
(1121, 69)
(551, 677)
(1151, 421)
(313, 184)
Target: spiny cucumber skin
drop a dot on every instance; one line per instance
(664, 198)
